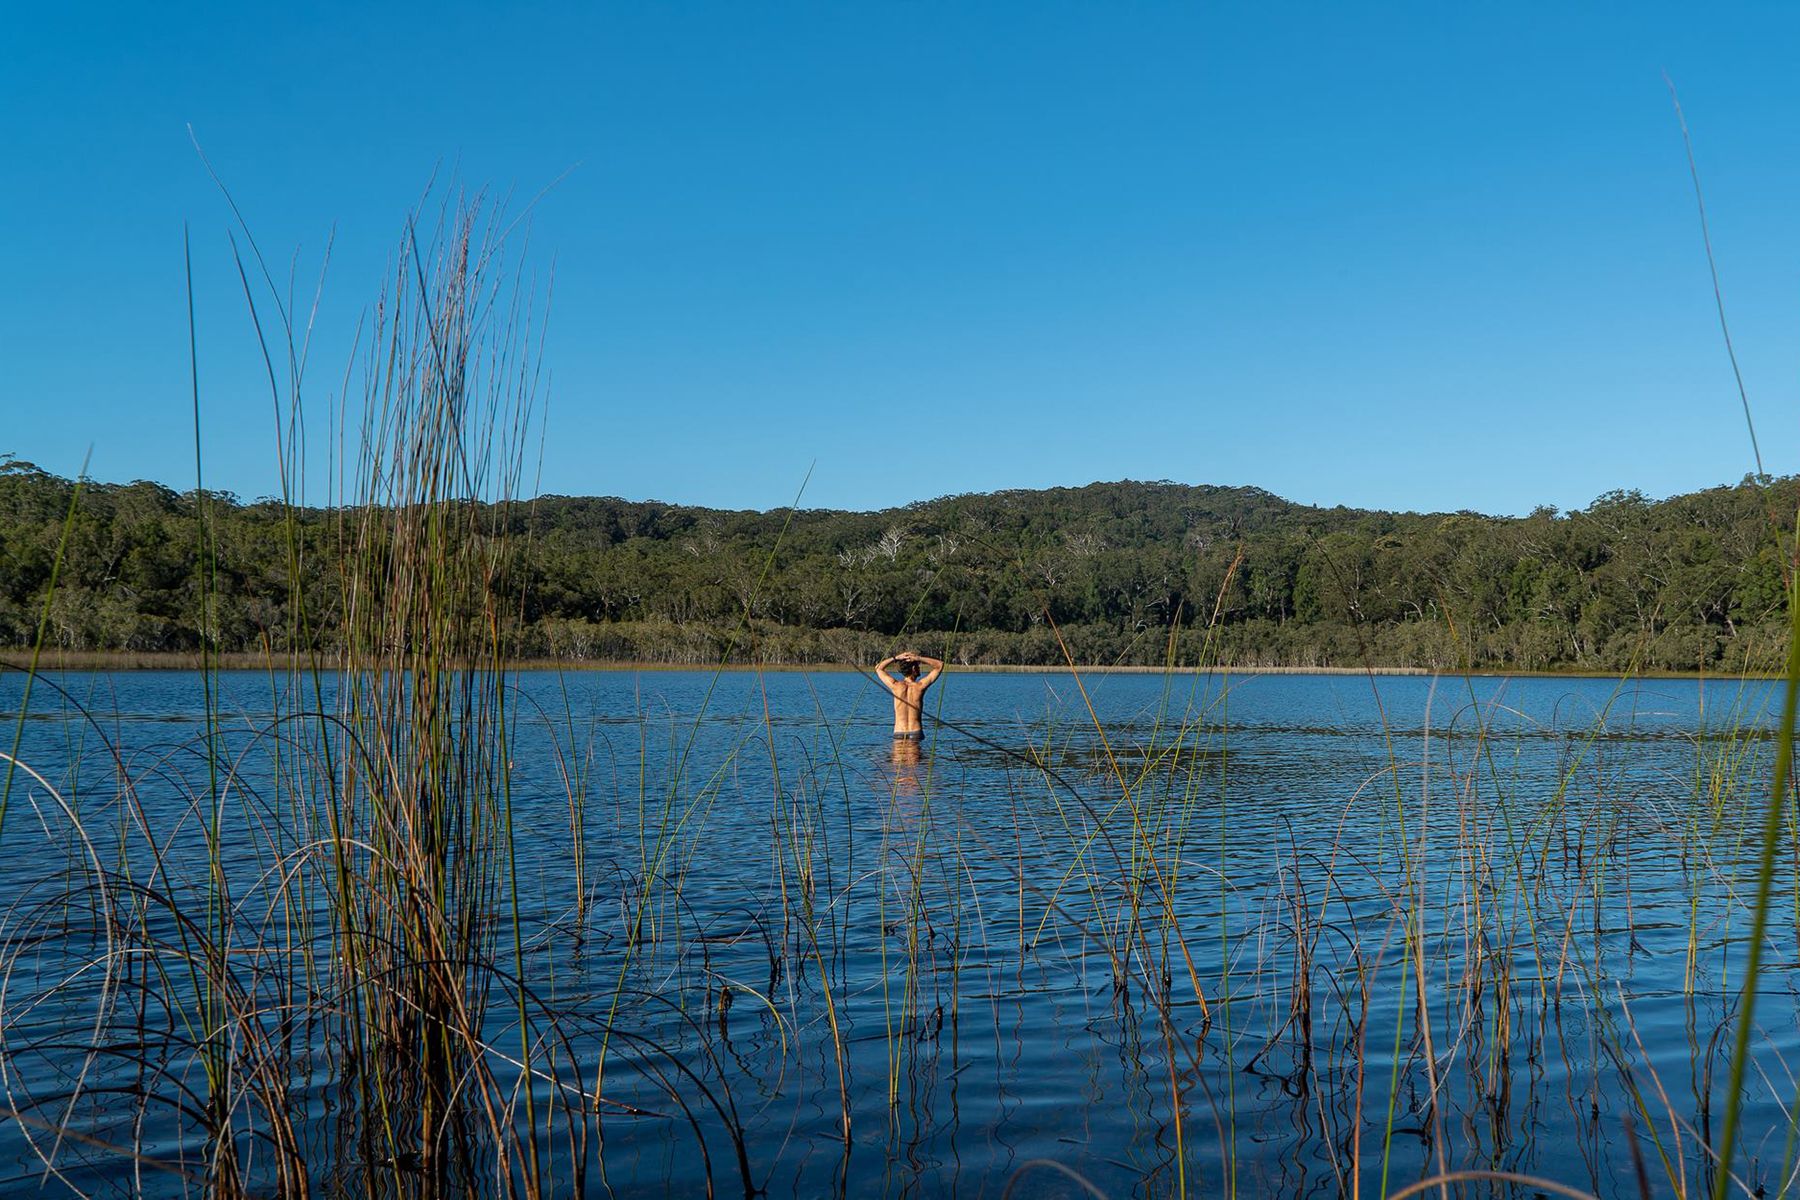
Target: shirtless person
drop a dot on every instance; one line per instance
(908, 690)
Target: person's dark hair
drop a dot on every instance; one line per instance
(910, 669)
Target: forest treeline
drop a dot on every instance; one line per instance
(1121, 572)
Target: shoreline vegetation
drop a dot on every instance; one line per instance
(120, 660)
(1120, 574)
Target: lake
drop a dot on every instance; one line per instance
(1128, 935)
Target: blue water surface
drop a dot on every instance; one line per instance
(1140, 933)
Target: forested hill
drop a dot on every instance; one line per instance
(1687, 583)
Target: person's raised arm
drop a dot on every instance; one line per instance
(936, 665)
(882, 666)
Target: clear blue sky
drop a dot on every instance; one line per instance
(1417, 256)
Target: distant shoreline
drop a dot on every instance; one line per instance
(111, 660)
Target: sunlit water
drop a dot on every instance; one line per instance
(1171, 943)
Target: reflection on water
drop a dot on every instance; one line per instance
(906, 757)
(1278, 935)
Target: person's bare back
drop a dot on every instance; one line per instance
(908, 690)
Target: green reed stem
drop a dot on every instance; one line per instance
(1765, 887)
